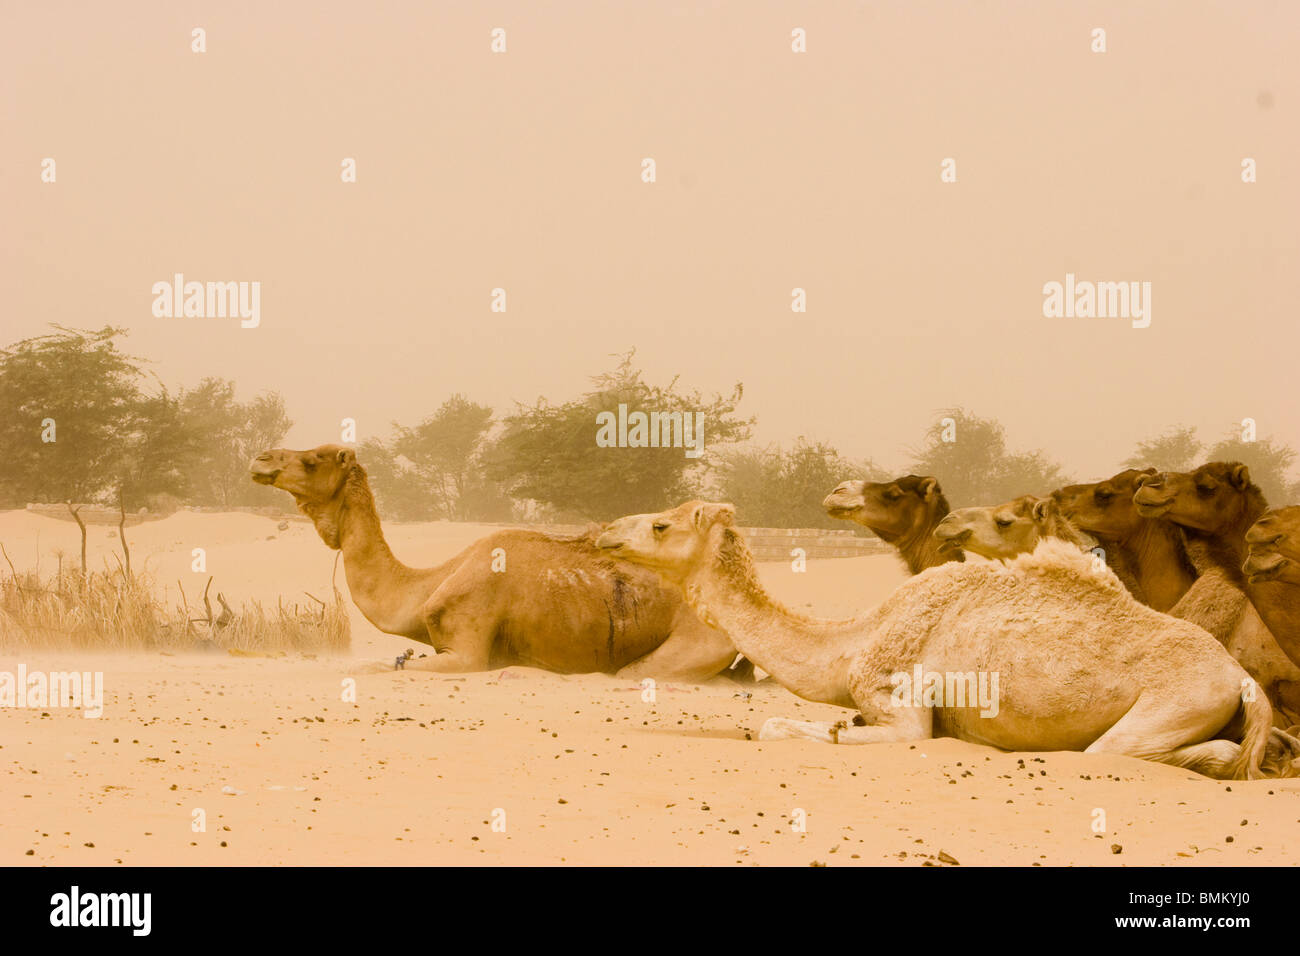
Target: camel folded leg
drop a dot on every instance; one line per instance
(905, 723)
(1164, 730)
(693, 653)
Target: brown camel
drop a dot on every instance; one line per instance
(1083, 665)
(1272, 570)
(903, 512)
(1215, 506)
(513, 597)
(1146, 553)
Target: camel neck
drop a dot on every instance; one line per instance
(1158, 559)
(1279, 609)
(918, 546)
(387, 592)
(807, 656)
(1225, 547)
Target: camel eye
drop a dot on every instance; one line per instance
(1104, 495)
(660, 527)
(892, 494)
(1004, 522)
(1205, 487)
(309, 465)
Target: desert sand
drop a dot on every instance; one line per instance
(525, 767)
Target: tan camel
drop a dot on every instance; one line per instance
(1081, 665)
(1150, 550)
(513, 597)
(903, 512)
(1006, 530)
(1272, 570)
(1215, 506)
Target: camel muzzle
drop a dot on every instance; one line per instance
(264, 470)
(608, 542)
(838, 507)
(1149, 505)
(1263, 567)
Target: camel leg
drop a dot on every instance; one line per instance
(742, 670)
(1176, 731)
(904, 723)
(692, 653)
(460, 631)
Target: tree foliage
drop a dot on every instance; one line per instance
(976, 468)
(775, 488)
(547, 453)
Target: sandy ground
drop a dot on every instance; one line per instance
(525, 767)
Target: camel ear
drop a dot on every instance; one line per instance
(707, 515)
(1240, 476)
(347, 457)
(1043, 509)
(1148, 471)
(928, 488)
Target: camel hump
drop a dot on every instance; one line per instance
(1055, 555)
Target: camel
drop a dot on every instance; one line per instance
(1215, 506)
(903, 512)
(1006, 530)
(1082, 665)
(1272, 570)
(1147, 553)
(513, 597)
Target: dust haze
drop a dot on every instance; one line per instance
(774, 172)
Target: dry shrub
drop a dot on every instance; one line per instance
(113, 611)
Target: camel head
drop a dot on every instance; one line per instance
(673, 543)
(1005, 530)
(1274, 543)
(1104, 507)
(1206, 499)
(889, 508)
(315, 477)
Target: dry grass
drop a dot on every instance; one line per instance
(113, 611)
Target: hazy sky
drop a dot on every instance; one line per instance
(775, 170)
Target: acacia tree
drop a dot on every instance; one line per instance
(1180, 449)
(67, 396)
(232, 433)
(1268, 461)
(975, 467)
(445, 449)
(549, 454)
(435, 469)
(82, 429)
(1176, 450)
(771, 487)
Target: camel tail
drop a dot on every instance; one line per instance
(1254, 739)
